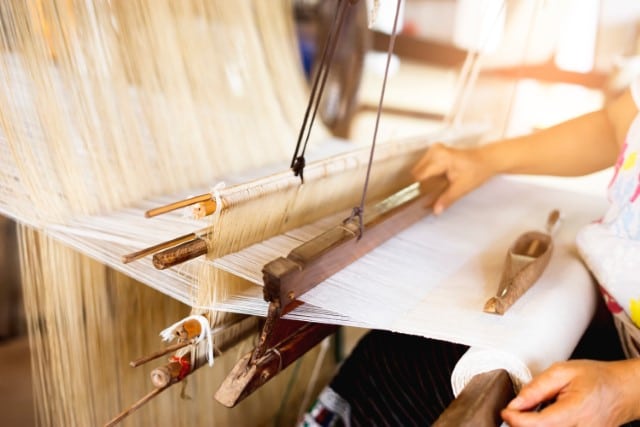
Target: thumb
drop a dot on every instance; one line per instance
(542, 388)
(448, 197)
(422, 172)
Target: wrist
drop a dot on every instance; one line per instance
(492, 160)
(628, 378)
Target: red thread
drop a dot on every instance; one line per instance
(185, 366)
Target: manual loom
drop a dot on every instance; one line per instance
(113, 109)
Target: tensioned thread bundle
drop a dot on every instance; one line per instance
(104, 104)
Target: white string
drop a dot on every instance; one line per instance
(215, 192)
(373, 13)
(169, 334)
(313, 379)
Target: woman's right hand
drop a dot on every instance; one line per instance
(466, 169)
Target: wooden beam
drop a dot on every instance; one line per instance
(480, 403)
(285, 279)
(283, 341)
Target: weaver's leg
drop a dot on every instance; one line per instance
(393, 379)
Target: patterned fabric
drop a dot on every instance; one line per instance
(330, 410)
(611, 246)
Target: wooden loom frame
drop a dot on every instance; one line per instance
(285, 279)
(283, 341)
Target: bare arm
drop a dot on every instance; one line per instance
(576, 147)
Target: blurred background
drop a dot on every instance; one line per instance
(510, 67)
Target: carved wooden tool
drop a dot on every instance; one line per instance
(526, 260)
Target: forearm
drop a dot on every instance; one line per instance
(577, 147)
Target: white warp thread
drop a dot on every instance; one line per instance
(433, 279)
(478, 360)
(215, 192)
(168, 334)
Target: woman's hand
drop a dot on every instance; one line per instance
(466, 169)
(585, 393)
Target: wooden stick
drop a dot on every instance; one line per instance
(155, 248)
(179, 254)
(122, 415)
(177, 205)
(144, 359)
(229, 337)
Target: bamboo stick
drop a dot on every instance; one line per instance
(144, 359)
(122, 415)
(155, 248)
(179, 254)
(179, 204)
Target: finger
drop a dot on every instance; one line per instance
(425, 166)
(557, 414)
(451, 195)
(543, 388)
(516, 418)
(424, 160)
(520, 419)
(428, 171)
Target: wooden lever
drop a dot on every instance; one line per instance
(253, 370)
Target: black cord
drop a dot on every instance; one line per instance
(298, 161)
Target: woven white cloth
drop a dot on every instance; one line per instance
(433, 279)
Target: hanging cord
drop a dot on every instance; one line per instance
(298, 161)
(359, 210)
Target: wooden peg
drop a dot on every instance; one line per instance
(179, 254)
